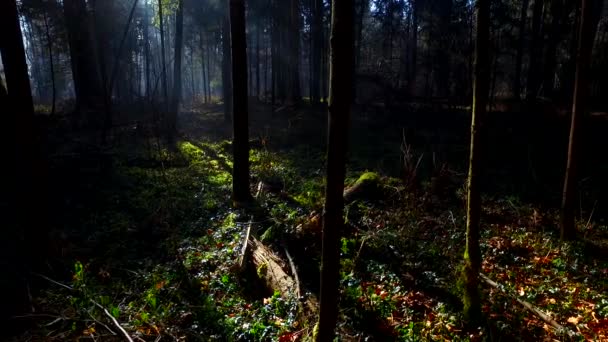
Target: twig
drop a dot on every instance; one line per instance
(528, 306)
(294, 271)
(116, 323)
(241, 261)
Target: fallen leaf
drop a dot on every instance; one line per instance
(574, 320)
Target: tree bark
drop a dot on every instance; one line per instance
(226, 63)
(472, 254)
(240, 173)
(317, 50)
(551, 55)
(341, 51)
(162, 53)
(523, 17)
(177, 73)
(579, 108)
(49, 42)
(87, 82)
(536, 50)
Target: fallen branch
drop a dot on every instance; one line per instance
(528, 306)
(244, 249)
(294, 272)
(105, 311)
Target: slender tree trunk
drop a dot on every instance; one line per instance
(579, 108)
(84, 65)
(317, 47)
(240, 174)
(209, 78)
(203, 70)
(226, 62)
(257, 58)
(163, 58)
(536, 51)
(339, 116)
(49, 42)
(523, 17)
(472, 254)
(550, 61)
(177, 73)
(147, 52)
(414, 50)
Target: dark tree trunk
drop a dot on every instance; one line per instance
(257, 58)
(177, 73)
(147, 52)
(550, 61)
(163, 58)
(226, 69)
(49, 42)
(472, 254)
(339, 115)
(23, 177)
(414, 49)
(523, 17)
(240, 173)
(87, 82)
(317, 50)
(204, 74)
(536, 50)
(579, 108)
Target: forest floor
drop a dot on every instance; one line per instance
(146, 239)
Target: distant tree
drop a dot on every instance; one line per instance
(317, 50)
(536, 51)
(472, 254)
(579, 107)
(87, 82)
(523, 17)
(226, 65)
(340, 93)
(177, 72)
(240, 138)
(162, 54)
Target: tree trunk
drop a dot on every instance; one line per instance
(177, 73)
(87, 82)
(317, 50)
(579, 107)
(536, 50)
(341, 45)
(414, 49)
(49, 42)
(523, 17)
(472, 254)
(226, 62)
(257, 58)
(240, 173)
(551, 56)
(163, 58)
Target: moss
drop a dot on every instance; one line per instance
(229, 221)
(262, 269)
(192, 152)
(369, 177)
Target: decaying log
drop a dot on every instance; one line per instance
(270, 269)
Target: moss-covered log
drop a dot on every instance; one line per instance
(367, 186)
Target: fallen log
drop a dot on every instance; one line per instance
(367, 186)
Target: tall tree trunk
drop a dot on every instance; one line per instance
(579, 108)
(25, 214)
(257, 58)
(177, 73)
(536, 51)
(147, 52)
(317, 50)
(163, 58)
(472, 254)
(49, 43)
(240, 144)
(414, 49)
(550, 61)
(226, 69)
(208, 66)
(523, 17)
(293, 46)
(87, 82)
(341, 60)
